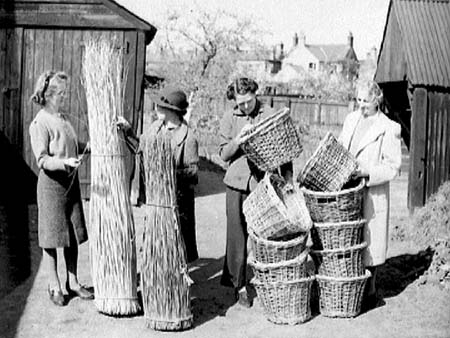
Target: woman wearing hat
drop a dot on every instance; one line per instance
(240, 179)
(171, 106)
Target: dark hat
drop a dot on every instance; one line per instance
(172, 98)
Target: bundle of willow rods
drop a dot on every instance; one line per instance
(112, 233)
(164, 277)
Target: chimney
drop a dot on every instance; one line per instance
(281, 51)
(295, 40)
(303, 38)
(274, 53)
(350, 39)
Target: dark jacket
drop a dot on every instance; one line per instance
(242, 174)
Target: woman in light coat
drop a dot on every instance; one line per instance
(374, 140)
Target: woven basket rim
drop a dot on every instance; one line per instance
(267, 266)
(340, 250)
(343, 279)
(279, 204)
(256, 281)
(270, 121)
(360, 186)
(359, 222)
(312, 159)
(279, 244)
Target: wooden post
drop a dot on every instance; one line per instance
(418, 155)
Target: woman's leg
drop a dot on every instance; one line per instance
(372, 282)
(49, 259)
(71, 258)
(235, 263)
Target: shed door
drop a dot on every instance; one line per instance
(62, 49)
(10, 85)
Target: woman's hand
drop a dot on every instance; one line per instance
(360, 172)
(244, 129)
(72, 162)
(123, 124)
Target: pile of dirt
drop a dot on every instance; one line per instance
(431, 225)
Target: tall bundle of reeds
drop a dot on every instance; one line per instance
(112, 233)
(164, 277)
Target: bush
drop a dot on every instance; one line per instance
(431, 225)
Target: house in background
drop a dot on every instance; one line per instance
(332, 58)
(413, 71)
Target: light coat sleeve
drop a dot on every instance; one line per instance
(39, 143)
(390, 157)
(228, 147)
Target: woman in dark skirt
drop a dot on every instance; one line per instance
(61, 222)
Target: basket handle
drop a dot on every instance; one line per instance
(269, 120)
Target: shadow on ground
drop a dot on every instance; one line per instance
(400, 271)
(209, 299)
(19, 254)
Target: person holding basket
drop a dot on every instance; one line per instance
(240, 179)
(374, 140)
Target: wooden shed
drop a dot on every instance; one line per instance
(36, 36)
(414, 72)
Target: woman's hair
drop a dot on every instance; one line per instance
(241, 86)
(47, 85)
(373, 90)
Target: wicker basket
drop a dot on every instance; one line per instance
(270, 251)
(286, 302)
(272, 142)
(341, 297)
(341, 206)
(285, 271)
(275, 209)
(329, 168)
(337, 235)
(347, 262)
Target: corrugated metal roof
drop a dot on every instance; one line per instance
(425, 29)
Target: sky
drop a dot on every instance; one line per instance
(321, 21)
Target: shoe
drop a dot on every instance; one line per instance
(81, 292)
(56, 296)
(241, 296)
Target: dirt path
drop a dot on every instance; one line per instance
(410, 310)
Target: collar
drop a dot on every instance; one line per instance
(180, 134)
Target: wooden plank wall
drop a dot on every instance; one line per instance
(62, 49)
(10, 89)
(418, 155)
(438, 131)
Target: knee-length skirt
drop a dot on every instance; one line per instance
(61, 221)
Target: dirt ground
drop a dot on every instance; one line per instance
(409, 309)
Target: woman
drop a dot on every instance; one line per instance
(171, 106)
(61, 220)
(374, 140)
(240, 179)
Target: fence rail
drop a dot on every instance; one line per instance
(311, 112)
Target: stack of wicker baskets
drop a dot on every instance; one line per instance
(279, 224)
(335, 205)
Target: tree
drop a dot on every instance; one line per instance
(200, 50)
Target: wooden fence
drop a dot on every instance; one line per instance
(311, 112)
(302, 111)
